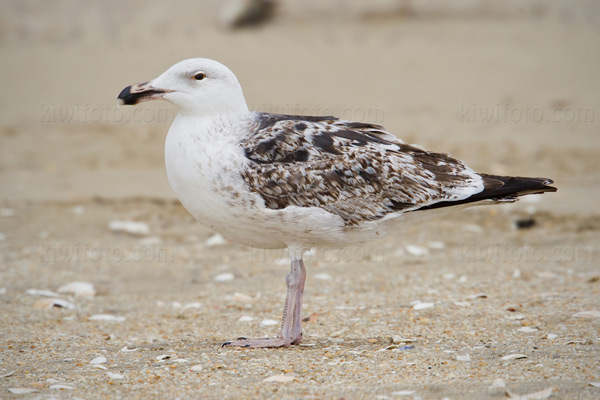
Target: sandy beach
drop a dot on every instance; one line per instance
(484, 303)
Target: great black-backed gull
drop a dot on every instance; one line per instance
(296, 182)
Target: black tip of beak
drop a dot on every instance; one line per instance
(140, 92)
(126, 97)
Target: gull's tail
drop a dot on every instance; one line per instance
(502, 189)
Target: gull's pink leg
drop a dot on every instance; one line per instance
(291, 323)
(297, 327)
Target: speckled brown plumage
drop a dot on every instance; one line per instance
(357, 171)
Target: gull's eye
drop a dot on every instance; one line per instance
(199, 76)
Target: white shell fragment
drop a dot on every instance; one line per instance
(106, 317)
(192, 305)
(245, 318)
(215, 240)
(22, 390)
(7, 374)
(541, 395)
(400, 339)
(269, 322)
(322, 277)
(595, 384)
(78, 289)
(527, 329)
(587, 314)
(46, 304)
(150, 241)
(7, 212)
(466, 357)
(113, 375)
(224, 277)
(196, 368)
(462, 304)
(436, 245)
(280, 378)
(403, 393)
(513, 357)
(477, 296)
(3, 290)
(62, 387)
(422, 306)
(416, 251)
(78, 210)
(244, 298)
(498, 383)
(41, 292)
(130, 227)
(98, 360)
(125, 349)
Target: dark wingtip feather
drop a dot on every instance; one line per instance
(496, 186)
(502, 189)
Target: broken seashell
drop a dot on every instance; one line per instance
(78, 289)
(47, 304)
(403, 393)
(513, 357)
(422, 306)
(42, 292)
(416, 251)
(215, 240)
(22, 390)
(280, 378)
(477, 296)
(244, 298)
(61, 387)
(106, 317)
(130, 227)
(192, 305)
(400, 339)
(527, 329)
(587, 314)
(224, 277)
(541, 395)
(498, 383)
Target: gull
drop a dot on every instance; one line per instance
(298, 182)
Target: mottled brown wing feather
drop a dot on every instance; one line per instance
(357, 171)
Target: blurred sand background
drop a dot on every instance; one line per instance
(510, 87)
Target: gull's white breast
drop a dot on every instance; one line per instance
(204, 163)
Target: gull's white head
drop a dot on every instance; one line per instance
(197, 86)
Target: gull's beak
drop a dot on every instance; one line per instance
(140, 92)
